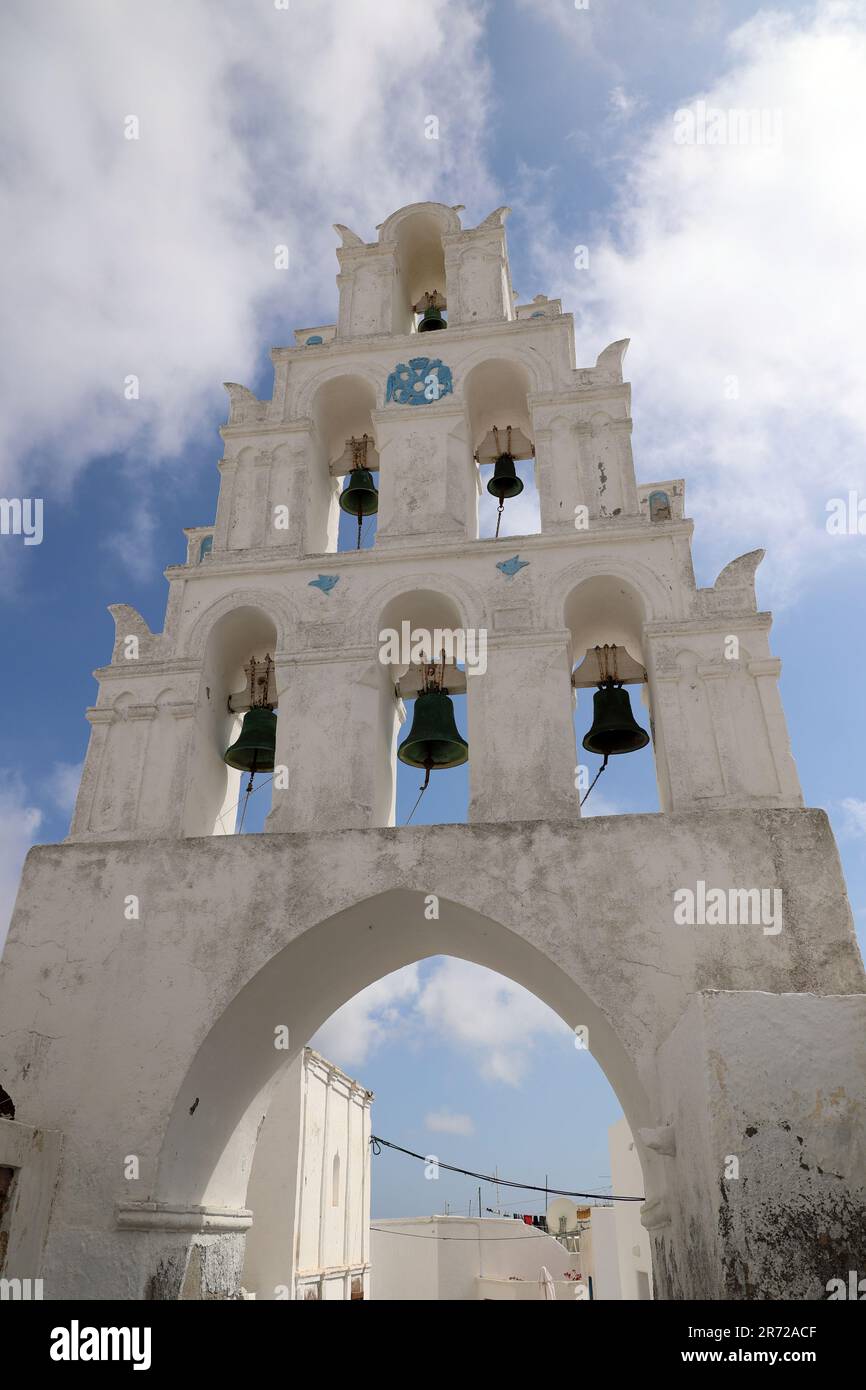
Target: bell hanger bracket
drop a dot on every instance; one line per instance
(608, 663)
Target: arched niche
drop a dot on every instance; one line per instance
(607, 610)
(420, 263)
(237, 635)
(496, 391)
(416, 622)
(341, 409)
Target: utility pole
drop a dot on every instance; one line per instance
(479, 1203)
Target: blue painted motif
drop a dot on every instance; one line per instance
(314, 340)
(510, 567)
(206, 547)
(325, 582)
(421, 380)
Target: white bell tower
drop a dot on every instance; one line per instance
(193, 945)
(611, 565)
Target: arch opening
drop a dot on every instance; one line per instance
(497, 392)
(458, 1063)
(420, 267)
(342, 411)
(215, 790)
(605, 610)
(416, 627)
(209, 1145)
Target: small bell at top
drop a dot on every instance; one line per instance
(430, 308)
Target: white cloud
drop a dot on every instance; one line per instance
(444, 1122)
(155, 257)
(19, 822)
(493, 1019)
(739, 269)
(450, 1003)
(622, 103)
(63, 785)
(373, 1017)
(855, 816)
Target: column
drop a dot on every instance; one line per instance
(522, 756)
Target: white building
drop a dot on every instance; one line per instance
(634, 1259)
(461, 1258)
(309, 1190)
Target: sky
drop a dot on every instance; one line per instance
(734, 267)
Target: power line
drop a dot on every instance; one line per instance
(378, 1143)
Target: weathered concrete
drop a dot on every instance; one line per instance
(765, 1094)
(155, 1037)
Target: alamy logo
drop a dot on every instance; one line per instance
(20, 1290)
(729, 907)
(77, 1343)
(855, 1289)
(421, 646)
(738, 125)
(22, 516)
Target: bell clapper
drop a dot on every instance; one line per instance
(499, 516)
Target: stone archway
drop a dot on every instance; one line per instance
(154, 1035)
(208, 1148)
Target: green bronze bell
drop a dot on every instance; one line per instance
(255, 747)
(434, 740)
(431, 319)
(614, 727)
(430, 308)
(505, 482)
(359, 497)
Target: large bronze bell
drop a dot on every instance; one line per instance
(505, 482)
(359, 497)
(256, 744)
(434, 740)
(614, 727)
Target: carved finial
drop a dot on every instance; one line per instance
(611, 359)
(740, 572)
(496, 218)
(349, 237)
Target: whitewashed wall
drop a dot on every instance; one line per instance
(309, 1188)
(632, 1240)
(443, 1257)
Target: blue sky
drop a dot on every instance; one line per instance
(736, 272)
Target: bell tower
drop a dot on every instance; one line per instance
(273, 659)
